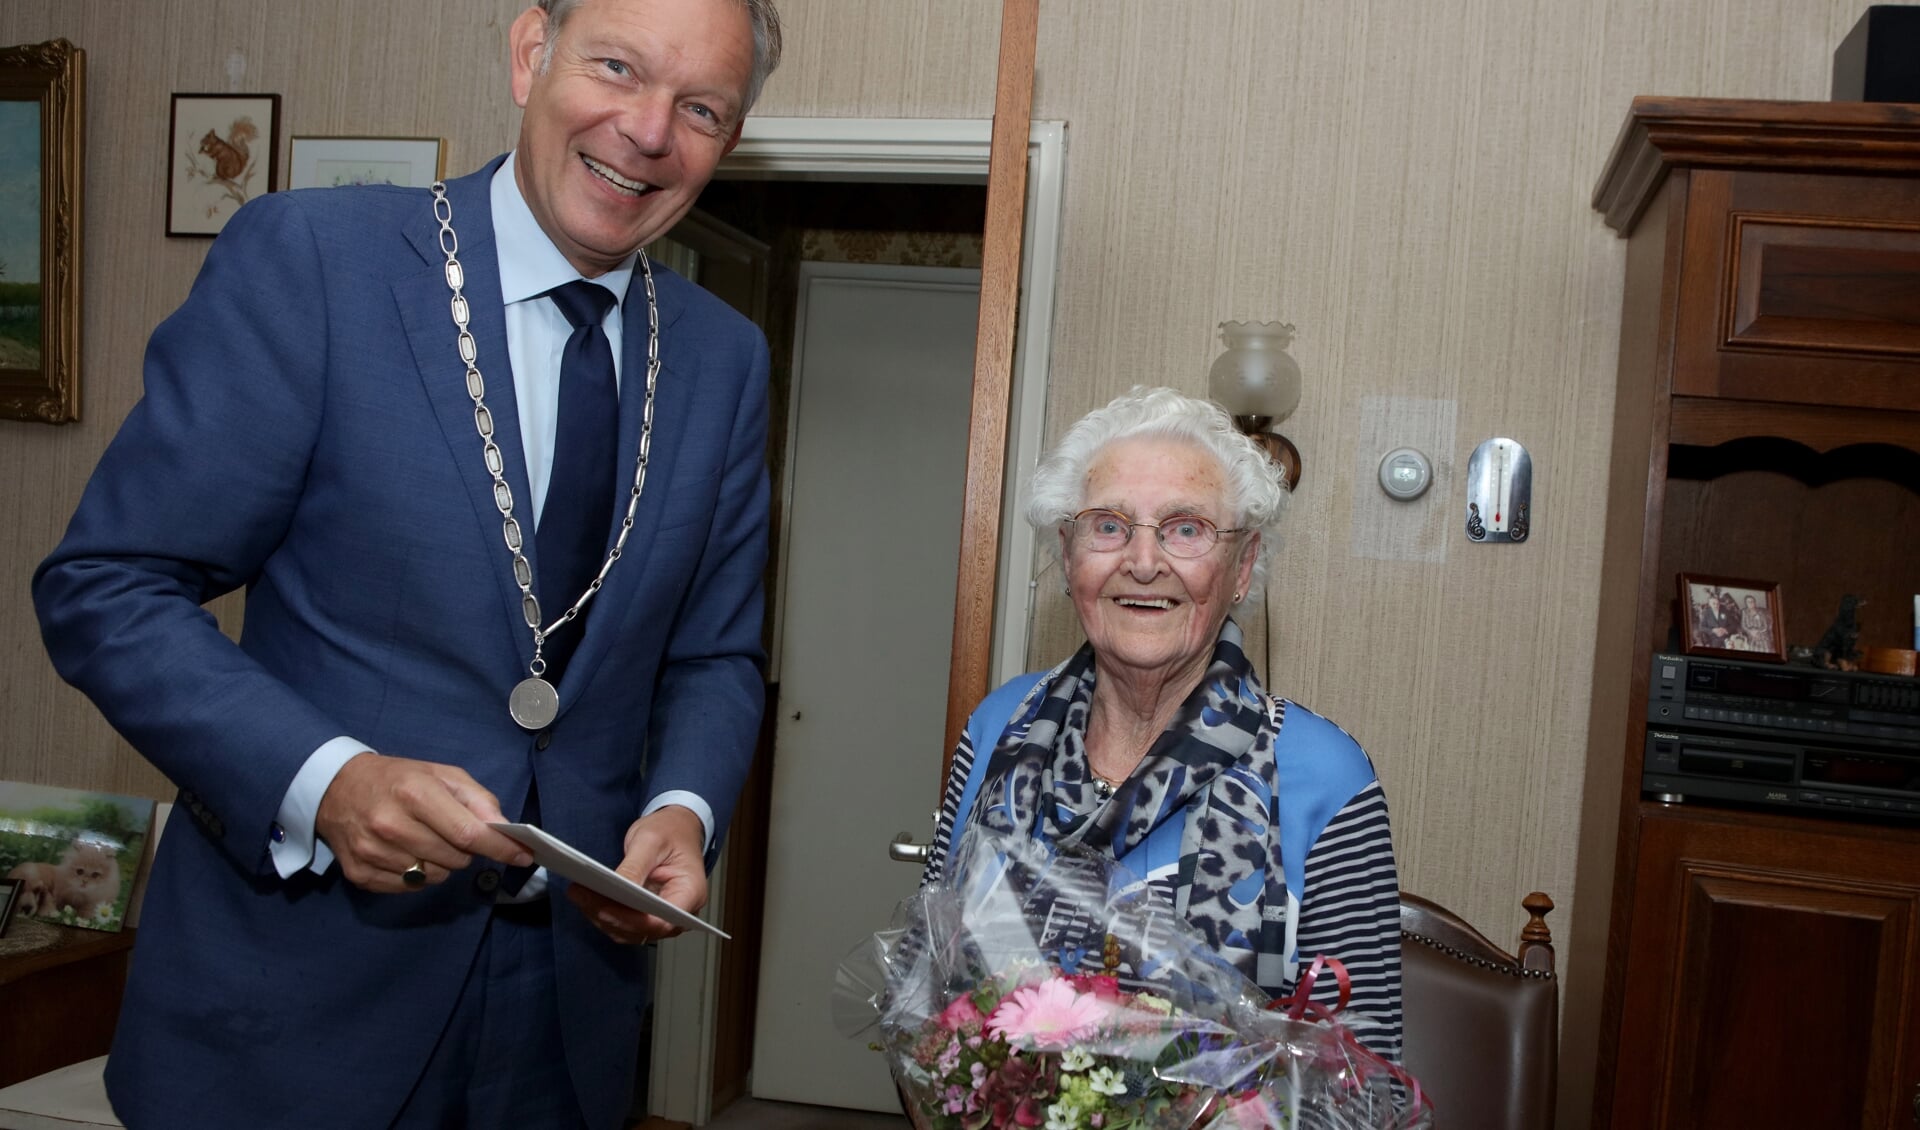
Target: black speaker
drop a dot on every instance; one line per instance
(1879, 60)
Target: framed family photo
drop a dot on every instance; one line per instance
(42, 111)
(330, 162)
(1730, 617)
(222, 151)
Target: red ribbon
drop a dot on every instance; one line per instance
(1301, 1006)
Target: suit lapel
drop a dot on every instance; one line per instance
(424, 300)
(673, 399)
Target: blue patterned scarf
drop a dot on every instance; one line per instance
(1209, 779)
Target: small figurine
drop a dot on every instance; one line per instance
(1838, 649)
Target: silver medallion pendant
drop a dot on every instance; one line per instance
(534, 703)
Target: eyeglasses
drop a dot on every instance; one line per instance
(1182, 535)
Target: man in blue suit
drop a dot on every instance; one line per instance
(360, 415)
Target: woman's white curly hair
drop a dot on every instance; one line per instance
(1256, 491)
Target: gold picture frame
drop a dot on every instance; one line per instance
(42, 117)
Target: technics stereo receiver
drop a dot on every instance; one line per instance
(1841, 742)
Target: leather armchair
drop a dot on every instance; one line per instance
(1482, 1026)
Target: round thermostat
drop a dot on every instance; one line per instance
(1405, 474)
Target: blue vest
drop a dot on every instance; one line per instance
(1319, 768)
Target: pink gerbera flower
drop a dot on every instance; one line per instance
(1047, 1015)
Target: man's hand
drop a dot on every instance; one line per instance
(381, 815)
(665, 855)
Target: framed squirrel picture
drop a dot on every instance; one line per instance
(224, 150)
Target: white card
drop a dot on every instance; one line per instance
(561, 858)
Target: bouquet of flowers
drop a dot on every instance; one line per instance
(1055, 1050)
(1047, 989)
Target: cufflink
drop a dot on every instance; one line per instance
(277, 834)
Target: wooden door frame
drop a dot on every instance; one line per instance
(957, 151)
(944, 150)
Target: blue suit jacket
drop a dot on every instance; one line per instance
(306, 432)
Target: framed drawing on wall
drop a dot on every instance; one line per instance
(1730, 617)
(41, 149)
(330, 162)
(222, 151)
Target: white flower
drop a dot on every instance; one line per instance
(1107, 1081)
(1076, 1059)
(1063, 1116)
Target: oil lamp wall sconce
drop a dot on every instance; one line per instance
(1259, 384)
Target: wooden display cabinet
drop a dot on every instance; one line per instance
(1762, 967)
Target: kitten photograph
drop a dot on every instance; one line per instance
(85, 881)
(71, 852)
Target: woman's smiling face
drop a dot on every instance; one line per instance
(1142, 608)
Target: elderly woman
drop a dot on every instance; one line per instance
(1757, 624)
(1258, 820)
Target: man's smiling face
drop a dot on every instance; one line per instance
(629, 108)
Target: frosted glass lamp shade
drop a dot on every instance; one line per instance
(1255, 376)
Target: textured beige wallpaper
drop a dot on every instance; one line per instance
(1406, 182)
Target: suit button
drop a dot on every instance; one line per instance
(544, 740)
(487, 882)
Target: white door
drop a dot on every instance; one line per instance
(883, 375)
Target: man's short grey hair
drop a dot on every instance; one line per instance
(1256, 494)
(766, 39)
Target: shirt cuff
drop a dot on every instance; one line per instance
(690, 801)
(293, 843)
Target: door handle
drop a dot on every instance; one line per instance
(904, 850)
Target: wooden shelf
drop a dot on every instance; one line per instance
(61, 1003)
(1711, 421)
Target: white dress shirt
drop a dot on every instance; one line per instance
(530, 266)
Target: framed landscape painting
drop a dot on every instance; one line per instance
(41, 168)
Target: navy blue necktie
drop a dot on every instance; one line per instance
(577, 518)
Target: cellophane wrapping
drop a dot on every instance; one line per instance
(1048, 988)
